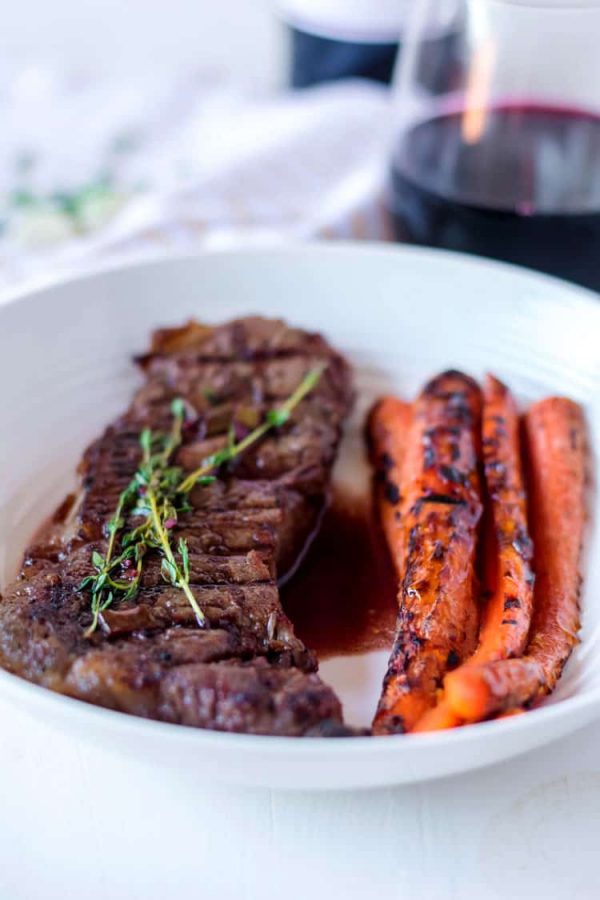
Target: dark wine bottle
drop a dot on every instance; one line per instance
(334, 39)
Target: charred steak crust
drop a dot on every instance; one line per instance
(246, 671)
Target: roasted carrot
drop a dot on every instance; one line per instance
(440, 507)
(556, 441)
(438, 718)
(510, 713)
(507, 615)
(388, 427)
(481, 691)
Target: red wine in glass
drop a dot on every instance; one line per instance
(524, 188)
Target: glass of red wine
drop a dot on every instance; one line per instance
(502, 157)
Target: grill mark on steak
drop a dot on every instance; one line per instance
(246, 671)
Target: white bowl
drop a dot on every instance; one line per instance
(400, 314)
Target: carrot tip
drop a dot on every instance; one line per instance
(467, 694)
(440, 718)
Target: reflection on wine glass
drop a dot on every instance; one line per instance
(503, 160)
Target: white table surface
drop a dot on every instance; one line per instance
(78, 823)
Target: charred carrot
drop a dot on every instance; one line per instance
(438, 718)
(556, 442)
(507, 614)
(510, 713)
(388, 428)
(440, 507)
(481, 691)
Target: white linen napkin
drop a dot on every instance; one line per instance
(94, 169)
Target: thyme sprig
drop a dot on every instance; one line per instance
(157, 494)
(152, 496)
(274, 418)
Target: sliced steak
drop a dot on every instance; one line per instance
(246, 670)
(254, 697)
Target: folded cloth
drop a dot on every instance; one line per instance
(89, 170)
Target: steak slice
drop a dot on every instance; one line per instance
(253, 697)
(246, 670)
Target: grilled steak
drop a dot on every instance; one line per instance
(246, 670)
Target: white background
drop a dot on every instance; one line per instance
(237, 38)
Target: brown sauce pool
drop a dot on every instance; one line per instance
(342, 600)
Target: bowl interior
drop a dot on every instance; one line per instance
(399, 315)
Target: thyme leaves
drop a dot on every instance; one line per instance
(156, 495)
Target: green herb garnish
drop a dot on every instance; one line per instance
(157, 494)
(274, 418)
